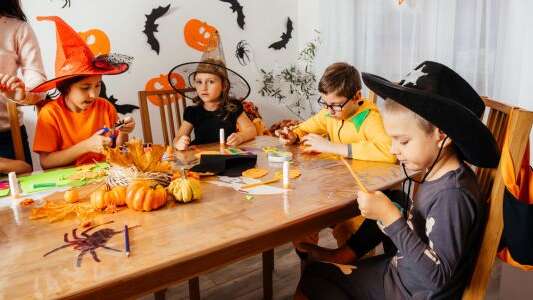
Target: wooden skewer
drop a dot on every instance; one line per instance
(357, 180)
(276, 178)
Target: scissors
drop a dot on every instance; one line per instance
(119, 124)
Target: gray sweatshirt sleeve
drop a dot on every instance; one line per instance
(449, 222)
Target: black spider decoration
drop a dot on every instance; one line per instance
(89, 242)
(241, 52)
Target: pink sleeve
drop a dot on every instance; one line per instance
(30, 60)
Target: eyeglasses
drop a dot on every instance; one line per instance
(332, 107)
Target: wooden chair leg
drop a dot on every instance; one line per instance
(160, 295)
(194, 288)
(268, 269)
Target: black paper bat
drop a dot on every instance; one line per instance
(237, 7)
(150, 26)
(285, 37)
(121, 108)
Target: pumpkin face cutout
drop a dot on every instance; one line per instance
(97, 41)
(200, 35)
(160, 83)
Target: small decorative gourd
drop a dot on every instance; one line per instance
(186, 188)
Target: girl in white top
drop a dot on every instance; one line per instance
(21, 69)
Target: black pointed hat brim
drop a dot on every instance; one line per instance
(239, 87)
(470, 135)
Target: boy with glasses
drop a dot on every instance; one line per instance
(354, 129)
(353, 126)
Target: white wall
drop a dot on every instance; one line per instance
(123, 21)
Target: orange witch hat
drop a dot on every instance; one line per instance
(75, 58)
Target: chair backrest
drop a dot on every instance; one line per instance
(496, 119)
(16, 135)
(372, 97)
(171, 107)
(499, 120)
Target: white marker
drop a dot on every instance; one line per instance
(222, 137)
(286, 174)
(14, 184)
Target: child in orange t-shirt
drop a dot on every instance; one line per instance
(73, 128)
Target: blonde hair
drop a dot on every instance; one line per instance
(391, 106)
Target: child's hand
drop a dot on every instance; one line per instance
(182, 143)
(377, 206)
(286, 136)
(234, 139)
(129, 125)
(12, 87)
(316, 143)
(96, 142)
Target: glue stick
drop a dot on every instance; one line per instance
(286, 174)
(13, 184)
(222, 137)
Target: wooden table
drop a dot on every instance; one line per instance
(177, 243)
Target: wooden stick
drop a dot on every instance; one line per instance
(357, 180)
(260, 183)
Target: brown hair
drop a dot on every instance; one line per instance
(64, 86)
(217, 67)
(11, 8)
(340, 78)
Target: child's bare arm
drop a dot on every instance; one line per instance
(95, 143)
(247, 131)
(12, 165)
(183, 139)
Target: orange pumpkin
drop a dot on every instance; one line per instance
(109, 200)
(140, 196)
(72, 196)
(200, 35)
(160, 83)
(97, 41)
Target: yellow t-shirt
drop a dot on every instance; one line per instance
(364, 131)
(59, 128)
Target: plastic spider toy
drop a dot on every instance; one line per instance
(241, 52)
(88, 242)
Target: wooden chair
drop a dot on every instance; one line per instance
(170, 113)
(372, 97)
(16, 135)
(498, 121)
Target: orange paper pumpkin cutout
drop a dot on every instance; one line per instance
(97, 41)
(160, 83)
(200, 35)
